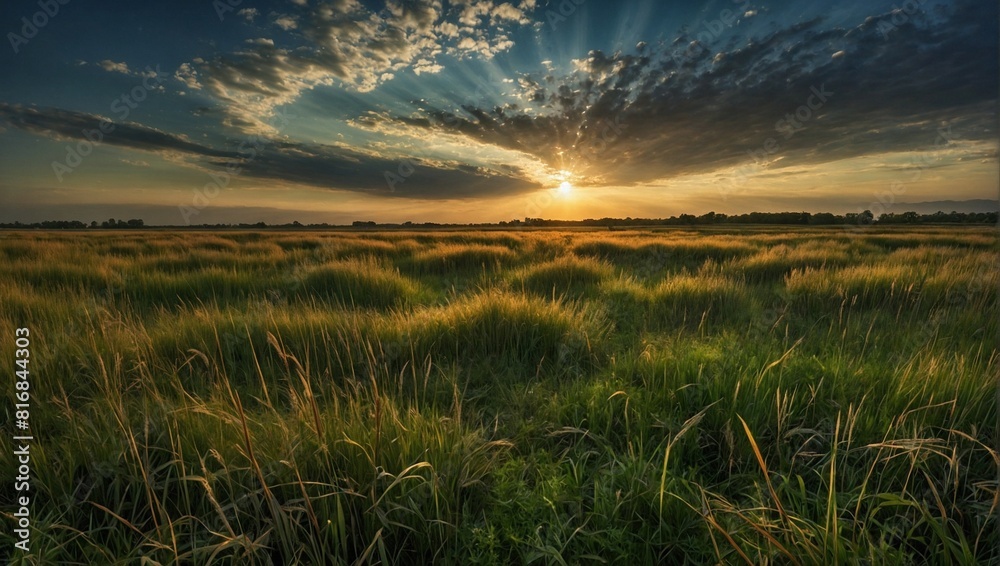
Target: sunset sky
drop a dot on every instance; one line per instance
(477, 110)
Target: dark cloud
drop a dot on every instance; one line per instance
(340, 168)
(70, 125)
(888, 84)
(263, 158)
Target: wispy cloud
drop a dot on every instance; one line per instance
(69, 125)
(122, 68)
(818, 93)
(797, 97)
(290, 163)
(343, 42)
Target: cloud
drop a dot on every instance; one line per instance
(343, 42)
(249, 14)
(316, 165)
(113, 67)
(123, 68)
(69, 125)
(507, 12)
(286, 23)
(342, 168)
(801, 94)
(187, 75)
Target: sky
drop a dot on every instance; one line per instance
(232, 111)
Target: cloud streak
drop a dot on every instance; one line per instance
(62, 124)
(780, 98)
(807, 92)
(316, 165)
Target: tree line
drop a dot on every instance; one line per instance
(781, 218)
(109, 224)
(865, 218)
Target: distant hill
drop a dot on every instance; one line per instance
(976, 205)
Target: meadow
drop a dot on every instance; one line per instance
(757, 396)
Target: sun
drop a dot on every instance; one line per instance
(565, 187)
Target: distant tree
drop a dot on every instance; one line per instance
(822, 218)
(863, 219)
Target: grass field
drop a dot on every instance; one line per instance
(775, 396)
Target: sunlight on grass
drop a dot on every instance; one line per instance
(803, 396)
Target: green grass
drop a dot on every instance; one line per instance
(786, 396)
(447, 258)
(565, 276)
(357, 283)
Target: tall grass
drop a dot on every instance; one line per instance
(359, 283)
(449, 258)
(781, 397)
(565, 276)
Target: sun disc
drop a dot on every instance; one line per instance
(565, 187)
